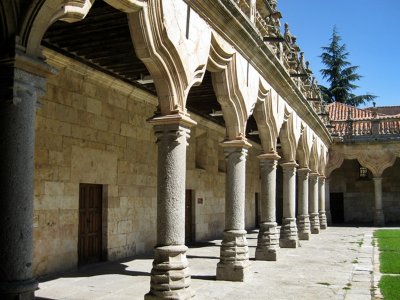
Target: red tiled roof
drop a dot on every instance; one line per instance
(361, 124)
(386, 110)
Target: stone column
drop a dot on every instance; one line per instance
(314, 215)
(267, 243)
(322, 216)
(20, 91)
(328, 202)
(288, 237)
(170, 276)
(303, 218)
(234, 257)
(379, 218)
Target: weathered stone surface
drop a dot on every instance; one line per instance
(234, 257)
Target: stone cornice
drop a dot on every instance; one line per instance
(226, 19)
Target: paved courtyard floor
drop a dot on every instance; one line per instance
(338, 263)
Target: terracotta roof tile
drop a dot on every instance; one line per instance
(361, 125)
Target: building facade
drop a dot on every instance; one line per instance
(129, 125)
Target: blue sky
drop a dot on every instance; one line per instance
(369, 28)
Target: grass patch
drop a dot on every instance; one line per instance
(390, 262)
(389, 258)
(390, 287)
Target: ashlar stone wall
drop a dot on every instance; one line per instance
(92, 128)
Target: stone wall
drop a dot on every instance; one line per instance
(359, 193)
(92, 128)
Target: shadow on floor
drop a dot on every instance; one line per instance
(101, 268)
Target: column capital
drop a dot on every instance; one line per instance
(269, 156)
(377, 178)
(175, 119)
(302, 173)
(238, 144)
(289, 165)
(314, 175)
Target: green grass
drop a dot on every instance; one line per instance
(390, 287)
(389, 246)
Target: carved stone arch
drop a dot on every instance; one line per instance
(174, 48)
(236, 88)
(42, 14)
(269, 117)
(376, 162)
(304, 146)
(289, 137)
(335, 160)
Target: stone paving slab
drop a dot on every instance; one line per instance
(335, 264)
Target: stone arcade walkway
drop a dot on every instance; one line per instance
(336, 264)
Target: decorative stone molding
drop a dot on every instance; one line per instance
(304, 147)
(289, 135)
(42, 14)
(221, 53)
(236, 88)
(174, 43)
(269, 118)
(127, 6)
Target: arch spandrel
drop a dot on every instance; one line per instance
(322, 159)
(42, 14)
(237, 94)
(376, 162)
(175, 55)
(221, 53)
(335, 160)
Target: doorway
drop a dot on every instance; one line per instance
(189, 238)
(337, 207)
(90, 223)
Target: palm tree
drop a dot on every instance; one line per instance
(340, 74)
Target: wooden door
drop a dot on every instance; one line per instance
(90, 223)
(188, 217)
(337, 207)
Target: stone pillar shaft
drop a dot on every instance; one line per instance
(379, 217)
(322, 215)
(314, 215)
(328, 202)
(170, 276)
(234, 258)
(267, 243)
(20, 91)
(303, 218)
(288, 236)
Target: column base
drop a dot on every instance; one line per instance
(288, 237)
(303, 227)
(322, 220)
(234, 257)
(379, 218)
(329, 218)
(21, 290)
(170, 276)
(314, 221)
(267, 243)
